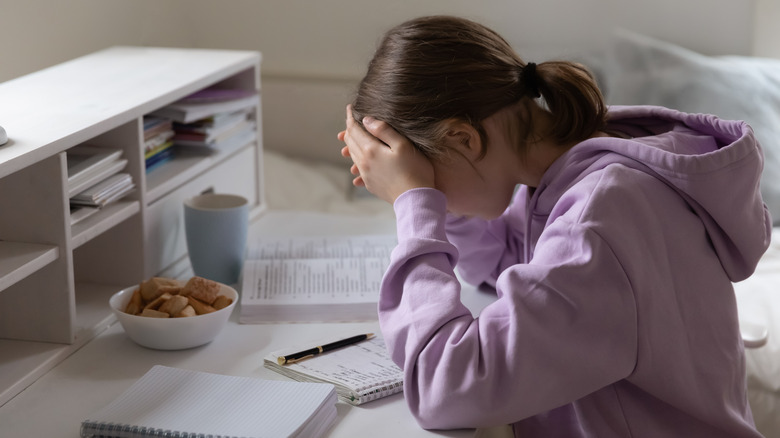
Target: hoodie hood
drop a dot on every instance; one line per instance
(714, 164)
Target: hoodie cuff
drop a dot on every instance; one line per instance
(421, 213)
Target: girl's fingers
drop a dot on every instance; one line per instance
(384, 132)
(357, 136)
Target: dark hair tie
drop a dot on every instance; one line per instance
(530, 80)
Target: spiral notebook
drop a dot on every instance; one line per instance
(361, 372)
(173, 402)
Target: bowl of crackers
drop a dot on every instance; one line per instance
(170, 314)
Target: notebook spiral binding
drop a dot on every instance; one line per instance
(387, 387)
(113, 430)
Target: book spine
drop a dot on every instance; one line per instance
(113, 430)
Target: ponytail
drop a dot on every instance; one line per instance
(571, 95)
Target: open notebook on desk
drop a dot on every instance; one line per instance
(361, 372)
(177, 402)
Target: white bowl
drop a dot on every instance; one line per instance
(171, 333)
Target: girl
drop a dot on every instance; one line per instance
(612, 261)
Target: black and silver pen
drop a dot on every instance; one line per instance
(301, 355)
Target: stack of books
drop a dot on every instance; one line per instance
(220, 131)
(158, 141)
(213, 119)
(95, 179)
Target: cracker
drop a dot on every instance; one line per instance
(221, 302)
(200, 307)
(135, 304)
(202, 289)
(186, 311)
(154, 313)
(157, 302)
(156, 286)
(174, 305)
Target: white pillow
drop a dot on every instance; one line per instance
(297, 184)
(640, 70)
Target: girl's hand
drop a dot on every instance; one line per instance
(384, 161)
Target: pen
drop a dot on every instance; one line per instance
(305, 354)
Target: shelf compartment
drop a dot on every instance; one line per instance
(105, 219)
(23, 362)
(18, 260)
(93, 314)
(183, 167)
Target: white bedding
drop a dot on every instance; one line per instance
(758, 300)
(294, 184)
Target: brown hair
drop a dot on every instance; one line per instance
(431, 69)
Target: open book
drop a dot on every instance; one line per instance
(314, 279)
(361, 372)
(177, 402)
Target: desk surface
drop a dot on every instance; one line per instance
(56, 403)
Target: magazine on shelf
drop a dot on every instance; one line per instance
(158, 140)
(190, 110)
(314, 279)
(209, 128)
(154, 126)
(243, 133)
(150, 153)
(88, 165)
(158, 158)
(109, 190)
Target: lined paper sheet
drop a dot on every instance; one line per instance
(361, 372)
(194, 402)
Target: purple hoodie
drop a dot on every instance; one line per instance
(615, 314)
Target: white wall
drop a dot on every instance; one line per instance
(335, 38)
(766, 39)
(314, 51)
(35, 34)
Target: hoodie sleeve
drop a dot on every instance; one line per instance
(486, 248)
(546, 341)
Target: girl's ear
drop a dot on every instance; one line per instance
(464, 138)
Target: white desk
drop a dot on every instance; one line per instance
(55, 404)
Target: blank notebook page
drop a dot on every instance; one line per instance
(203, 403)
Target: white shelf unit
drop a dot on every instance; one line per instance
(55, 279)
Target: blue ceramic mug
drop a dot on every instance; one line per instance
(216, 228)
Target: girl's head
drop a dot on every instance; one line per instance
(432, 71)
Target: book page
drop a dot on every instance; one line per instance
(319, 278)
(313, 281)
(379, 245)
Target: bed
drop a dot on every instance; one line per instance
(632, 69)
